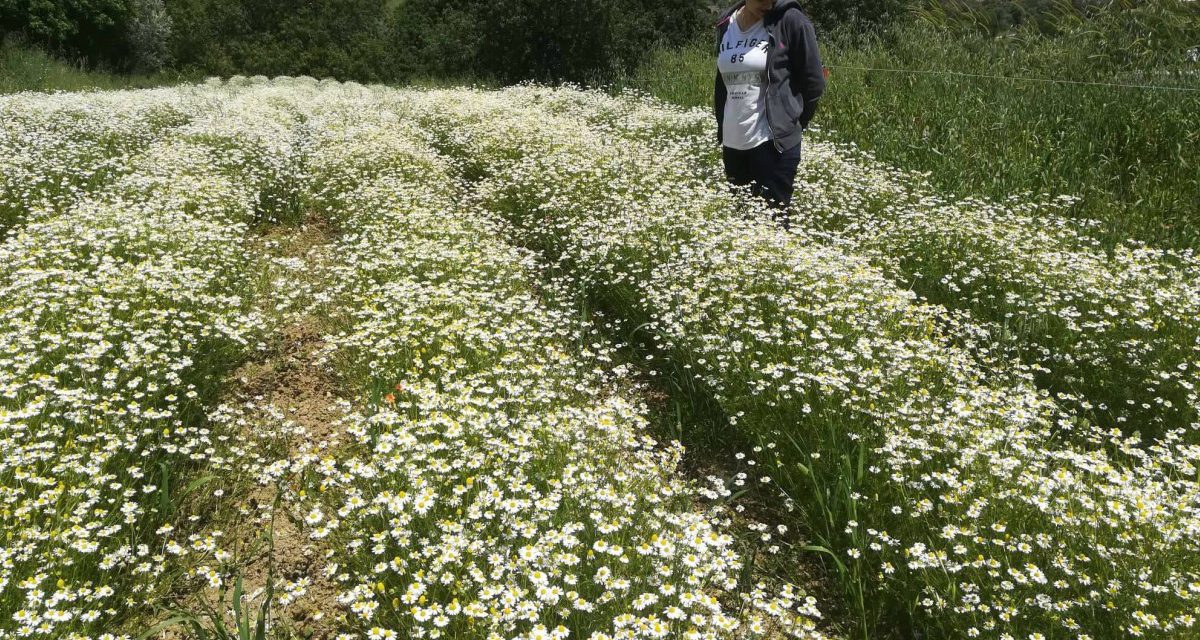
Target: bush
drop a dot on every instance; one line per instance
(545, 40)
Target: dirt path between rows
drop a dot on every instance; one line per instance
(292, 383)
(285, 408)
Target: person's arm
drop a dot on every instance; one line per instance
(806, 67)
(719, 92)
(719, 95)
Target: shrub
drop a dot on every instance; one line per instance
(149, 36)
(343, 39)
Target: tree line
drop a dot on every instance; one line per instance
(398, 40)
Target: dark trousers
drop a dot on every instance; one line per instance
(770, 174)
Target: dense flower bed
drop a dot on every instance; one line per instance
(499, 484)
(941, 484)
(1114, 332)
(117, 317)
(493, 474)
(58, 148)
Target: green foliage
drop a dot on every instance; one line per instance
(149, 36)
(864, 15)
(682, 75)
(341, 38)
(91, 29)
(439, 40)
(1051, 17)
(514, 40)
(547, 39)
(381, 40)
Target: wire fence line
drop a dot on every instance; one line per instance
(1019, 78)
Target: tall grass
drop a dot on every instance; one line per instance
(27, 69)
(1132, 155)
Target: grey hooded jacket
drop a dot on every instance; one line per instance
(795, 77)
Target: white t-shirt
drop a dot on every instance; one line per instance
(742, 63)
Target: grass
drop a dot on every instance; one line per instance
(1132, 155)
(27, 69)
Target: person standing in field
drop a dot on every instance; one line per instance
(769, 78)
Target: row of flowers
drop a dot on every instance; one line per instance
(56, 149)
(118, 317)
(498, 482)
(942, 488)
(1114, 332)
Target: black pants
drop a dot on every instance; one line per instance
(770, 174)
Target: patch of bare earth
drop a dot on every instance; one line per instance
(286, 410)
(305, 395)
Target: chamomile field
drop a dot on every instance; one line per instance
(305, 359)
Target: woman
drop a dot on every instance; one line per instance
(769, 78)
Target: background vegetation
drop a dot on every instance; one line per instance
(366, 40)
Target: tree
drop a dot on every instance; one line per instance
(149, 35)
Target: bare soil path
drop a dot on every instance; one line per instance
(283, 411)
